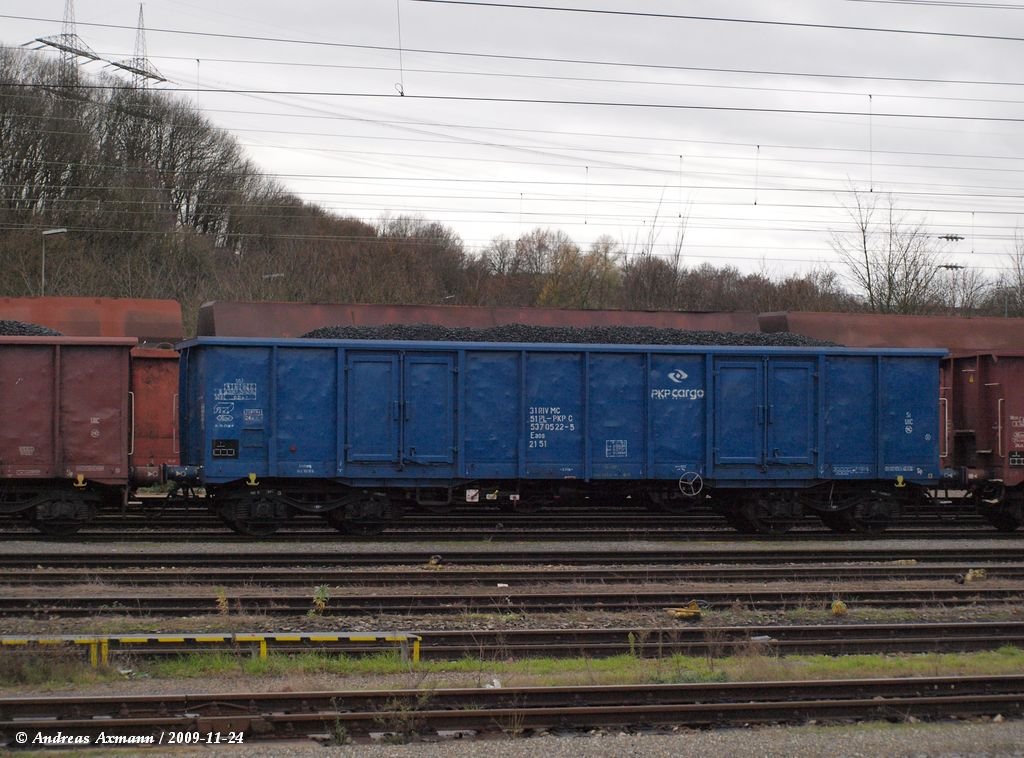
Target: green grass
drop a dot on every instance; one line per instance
(52, 669)
(622, 669)
(56, 670)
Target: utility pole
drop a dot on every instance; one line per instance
(139, 65)
(71, 46)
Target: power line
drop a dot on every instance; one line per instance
(559, 101)
(409, 126)
(546, 59)
(514, 182)
(724, 19)
(945, 4)
(590, 79)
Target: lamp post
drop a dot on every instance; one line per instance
(42, 277)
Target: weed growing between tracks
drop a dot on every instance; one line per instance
(339, 732)
(387, 669)
(400, 723)
(54, 669)
(646, 662)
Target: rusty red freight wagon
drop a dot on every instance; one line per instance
(154, 413)
(152, 394)
(982, 399)
(150, 321)
(65, 440)
(957, 334)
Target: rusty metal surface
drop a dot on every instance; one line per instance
(956, 334)
(154, 383)
(985, 427)
(64, 404)
(266, 319)
(153, 321)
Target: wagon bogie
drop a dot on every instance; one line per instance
(62, 516)
(364, 513)
(53, 507)
(255, 514)
(770, 511)
(1001, 506)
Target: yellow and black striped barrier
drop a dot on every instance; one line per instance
(260, 643)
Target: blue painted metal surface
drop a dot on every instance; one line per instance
(430, 414)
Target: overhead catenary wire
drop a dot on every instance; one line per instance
(523, 130)
(402, 69)
(566, 101)
(548, 59)
(586, 157)
(728, 20)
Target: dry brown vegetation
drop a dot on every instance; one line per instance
(160, 203)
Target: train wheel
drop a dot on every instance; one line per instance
(58, 528)
(62, 516)
(734, 517)
(768, 515)
(253, 527)
(1001, 507)
(1004, 521)
(837, 521)
(255, 517)
(365, 517)
(361, 528)
(875, 515)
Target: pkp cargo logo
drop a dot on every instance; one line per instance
(677, 376)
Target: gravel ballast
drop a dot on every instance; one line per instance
(867, 740)
(591, 335)
(10, 328)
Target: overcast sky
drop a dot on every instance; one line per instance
(752, 134)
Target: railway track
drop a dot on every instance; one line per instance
(260, 715)
(362, 577)
(439, 530)
(525, 555)
(504, 601)
(721, 640)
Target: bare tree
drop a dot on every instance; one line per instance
(963, 290)
(892, 260)
(651, 280)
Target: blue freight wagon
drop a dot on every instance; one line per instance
(359, 430)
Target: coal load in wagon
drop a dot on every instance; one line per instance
(590, 335)
(10, 328)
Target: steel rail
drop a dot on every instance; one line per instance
(503, 601)
(502, 534)
(428, 575)
(521, 555)
(407, 712)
